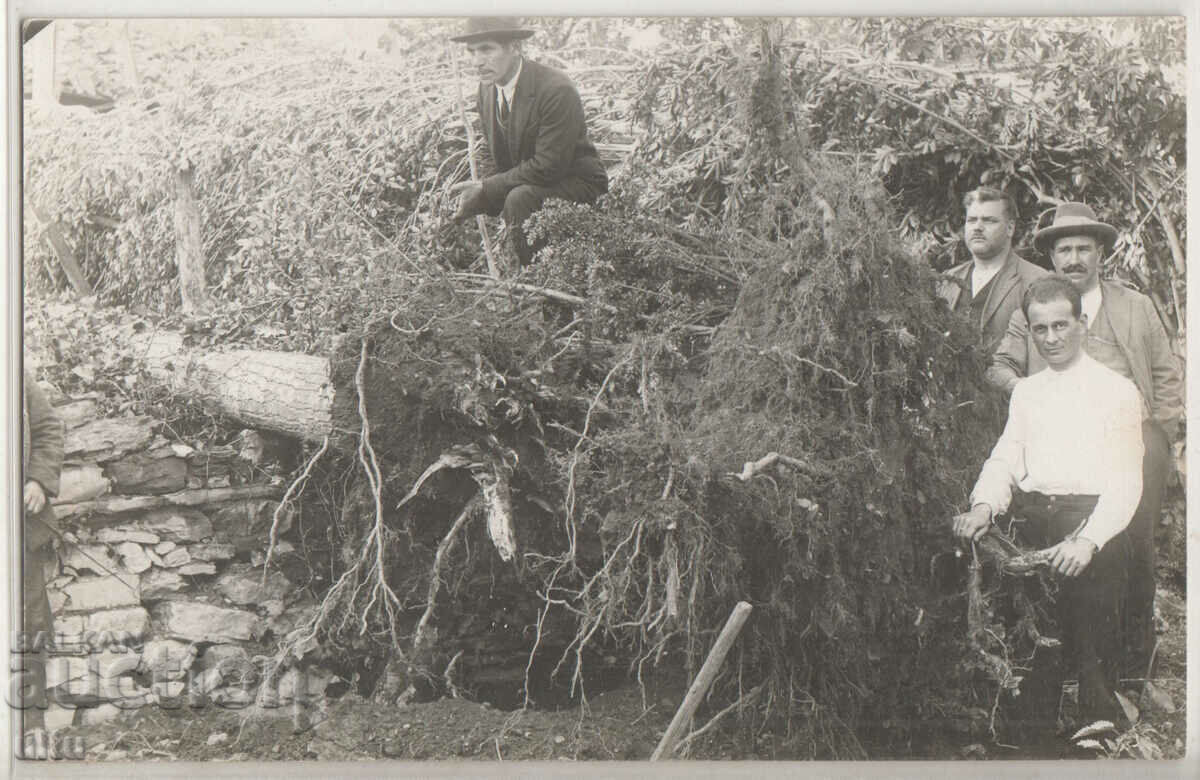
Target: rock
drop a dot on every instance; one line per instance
(76, 413)
(68, 629)
(58, 717)
(205, 623)
(179, 524)
(243, 584)
(92, 593)
(181, 450)
(251, 446)
(247, 524)
(157, 585)
(293, 617)
(133, 621)
(95, 558)
(103, 676)
(219, 738)
(232, 698)
(212, 551)
(167, 659)
(303, 685)
(124, 533)
(1156, 698)
(273, 607)
(176, 557)
(236, 665)
(143, 474)
(154, 557)
(57, 599)
(162, 548)
(81, 483)
(134, 557)
(94, 716)
(193, 568)
(109, 438)
(169, 689)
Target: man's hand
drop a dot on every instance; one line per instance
(472, 199)
(1071, 556)
(35, 497)
(973, 524)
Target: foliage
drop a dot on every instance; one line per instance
(745, 291)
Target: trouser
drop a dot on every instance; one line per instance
(522, 201)
(1138, 631)
(1087, 610)
(30, 651)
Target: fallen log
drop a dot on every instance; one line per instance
(287, 392)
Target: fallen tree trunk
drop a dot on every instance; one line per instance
(286, 392)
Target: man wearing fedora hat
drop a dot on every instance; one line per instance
(989, 286)
(537, 145)
(1124, 334)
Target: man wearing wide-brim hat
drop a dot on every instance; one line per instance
(537, 144)
(1125, 334)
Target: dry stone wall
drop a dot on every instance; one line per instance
(157, 586)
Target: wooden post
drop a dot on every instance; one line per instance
(189, 253)
(45, 77)
(704, 680)
(493, 268)
(70, 264)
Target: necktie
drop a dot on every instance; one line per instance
(503, 109)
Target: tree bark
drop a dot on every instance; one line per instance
(189, 254)
(286, 392)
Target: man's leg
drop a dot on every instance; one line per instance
(37, 625)
(1089, 608)
(526, 199)
(1138, 631)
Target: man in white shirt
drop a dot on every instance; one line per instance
(1068, 470)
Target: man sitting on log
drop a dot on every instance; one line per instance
(1124, 334)
(1067, 471)
(537, 145)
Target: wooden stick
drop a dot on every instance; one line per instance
(704, 680)
(111, 505)
(493, 268)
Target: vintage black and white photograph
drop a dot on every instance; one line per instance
(590, 389)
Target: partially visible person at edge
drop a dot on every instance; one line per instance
(1066, 473)
(989, 286)
(536, 146)
(41, 459)
(1125, 334)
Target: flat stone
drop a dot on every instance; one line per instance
(133, 621)
(162, 548)
(81, 483)
(95, 558)
(167, 659)
(109, 438)
(169, 690)
(236, 665)
(201, 622)
(247, 524)
(76, 413)
(303, 685)
(198, 567)
(58, 717)
(94, 716)
(143, 474)
(158, 584)
(293, 617)
(180, 524)
(57, 599)
(154, 557)
(232, 698)
(124, 533)
(98, 676)
(134, 557)
(212, 551)
(176, 557)
(93, 593)
(243, 584)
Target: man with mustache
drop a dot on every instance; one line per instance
(1067, 474)
(537, 145)
(1125, 334)
(989, 286)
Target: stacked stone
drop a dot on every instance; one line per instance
(158, 590)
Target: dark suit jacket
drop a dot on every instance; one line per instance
(1003, 298)
(547, 137)
(1140, 336)
(42, 456)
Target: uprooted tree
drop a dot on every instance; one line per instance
(729, 381)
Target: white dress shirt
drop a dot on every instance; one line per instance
(505, 92)
(1077, 431)
(1090, 304)
(982, 274)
